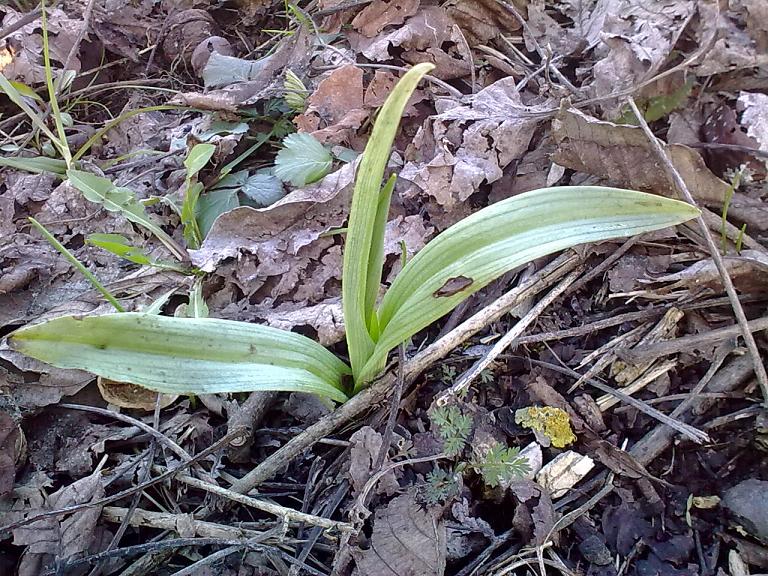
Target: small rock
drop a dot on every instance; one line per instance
(748, 504)
(562, 473)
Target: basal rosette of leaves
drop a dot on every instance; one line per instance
(205, 355)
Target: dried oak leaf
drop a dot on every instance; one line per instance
(335, 109)
(634, 40)
(623, 155)
(64, 536)
(378, 15)
(407, 540)
(468, 145)
(483, 20)
(424, 37)
(366, 444)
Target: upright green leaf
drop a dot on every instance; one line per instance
(302, 160)
(197, 158)
(195, 161)
(470, 254)
(185, 355)
(102, 191)
(365, 230)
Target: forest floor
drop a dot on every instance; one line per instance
(649, 456)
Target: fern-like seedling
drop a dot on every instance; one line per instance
(501, 465)
(452, 427)
(440, 486)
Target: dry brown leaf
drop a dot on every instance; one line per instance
(754, 117)
(428, 36)
(378, 15)
(366, 443)
(125, 28)
(131, 396)
(483, 20)
(283, 229)
(622, 155)
(64, 536)
(325, 318)
(469, 145)
(27, 44)
(13, 447)
(407, 540)
(733, 49)
(335, 109)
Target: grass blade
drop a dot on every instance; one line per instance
(185, 355)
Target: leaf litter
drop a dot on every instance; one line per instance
(524, 94)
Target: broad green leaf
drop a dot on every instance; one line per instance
(365, 233)
(120, 246)
(37, 165)
(102, 191)
(213, 204)
(258, 190)
(197, 158)
(470, 254)
(185, 355)
(302, 160)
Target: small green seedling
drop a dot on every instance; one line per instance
(207, 355)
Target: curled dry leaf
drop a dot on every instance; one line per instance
(127, 395)
(623, 155)
(748, 270)
(428, 36)
(483, 20)
(469, 145)
(407, 540)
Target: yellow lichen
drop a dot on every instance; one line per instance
(554, 423)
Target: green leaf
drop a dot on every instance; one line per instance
(197, 158)
(102, 191)
(37, 165)
(365, 232)
(302, 160)
(120, 246)
(213, 204)
(295, 91)
(470, 254)
(189, 210)
(195, 161)
(259, 190)
(185, 355)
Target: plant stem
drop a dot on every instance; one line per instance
(77, 264)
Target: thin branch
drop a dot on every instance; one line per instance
(730, 289)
